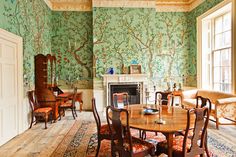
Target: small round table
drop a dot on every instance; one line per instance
(175, 120)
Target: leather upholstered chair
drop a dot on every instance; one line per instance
(69, 104)
(102, 130)
(189, 146)
(122, 141)
(37, 111)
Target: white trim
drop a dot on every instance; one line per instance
(199, 40)
(234, 46)
(17, 39)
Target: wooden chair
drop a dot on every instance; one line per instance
(122, 141)
(36, 111)
(185, 146)
(164, 97)
(69, 104)
(102, 130)
(120, 98)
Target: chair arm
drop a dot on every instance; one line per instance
(189, 94)
(225, 101)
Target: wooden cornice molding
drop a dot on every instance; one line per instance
(69, 5)
(125, 3)
(160, 5)
(177, 5)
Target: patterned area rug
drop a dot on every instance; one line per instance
(81, 141)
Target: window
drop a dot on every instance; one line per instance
(216, 61)
(221, 62)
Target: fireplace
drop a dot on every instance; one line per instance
(133, 84)
(133, 90)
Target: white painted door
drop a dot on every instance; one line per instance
(8, 90)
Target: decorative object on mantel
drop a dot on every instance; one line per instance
(111, 70)
(135, 69)
(125, 69)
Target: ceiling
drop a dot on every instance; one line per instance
(159, 5)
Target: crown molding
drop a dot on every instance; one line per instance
(159, 5)
(125, 4)
(177, 5)
(69, 5)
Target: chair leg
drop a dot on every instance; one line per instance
(206, 147)
(32, 120)
(98, 147)
(217, 123)
(73, 113)
(46, 120)
(59, 113)
(143, 137)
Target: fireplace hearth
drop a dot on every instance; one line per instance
(133, 84)
(133, 91)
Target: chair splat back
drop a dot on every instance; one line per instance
(96, 115)
(200, 128)
(120, 131)
(205, 102)
(122, 98)
(33, 100)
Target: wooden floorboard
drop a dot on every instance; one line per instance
(40, 142)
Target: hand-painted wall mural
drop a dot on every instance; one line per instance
(157, 41)
(31, 21)
(87, 44)
(72, 46)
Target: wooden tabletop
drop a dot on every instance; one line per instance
(175, 119)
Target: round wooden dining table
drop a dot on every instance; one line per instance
(175, 119)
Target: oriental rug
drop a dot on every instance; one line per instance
(81, 141)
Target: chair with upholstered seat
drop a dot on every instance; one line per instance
(102, 130)
(164, 97)
(69, 104)
(186, 146)
(36, 111)
(120, 99)
(122, 141)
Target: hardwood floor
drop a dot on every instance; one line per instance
(38, 142)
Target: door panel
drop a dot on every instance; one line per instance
(8, 90)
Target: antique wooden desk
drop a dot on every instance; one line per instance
(175, 120)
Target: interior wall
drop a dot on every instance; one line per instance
(73, 48)
(157, 41)
(31, 21)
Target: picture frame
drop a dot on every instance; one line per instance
(135, 69)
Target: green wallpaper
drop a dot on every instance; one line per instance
(87, 44)
(72, 45)
(31, 21)
(157, 41)
(192, 16)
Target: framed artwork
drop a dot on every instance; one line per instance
(135, 69)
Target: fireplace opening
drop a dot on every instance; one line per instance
(132, 89)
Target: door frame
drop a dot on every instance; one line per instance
(19, 41)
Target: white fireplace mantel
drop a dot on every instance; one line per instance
(120, 79)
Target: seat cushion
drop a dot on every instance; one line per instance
(177, 145)
(43, 110)
(67, 104)
(104, 129)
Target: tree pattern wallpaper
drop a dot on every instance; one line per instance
(159, 42)
(87, 44)
(30, 20)
(73, 48)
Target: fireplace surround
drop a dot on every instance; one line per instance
(133, 84)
